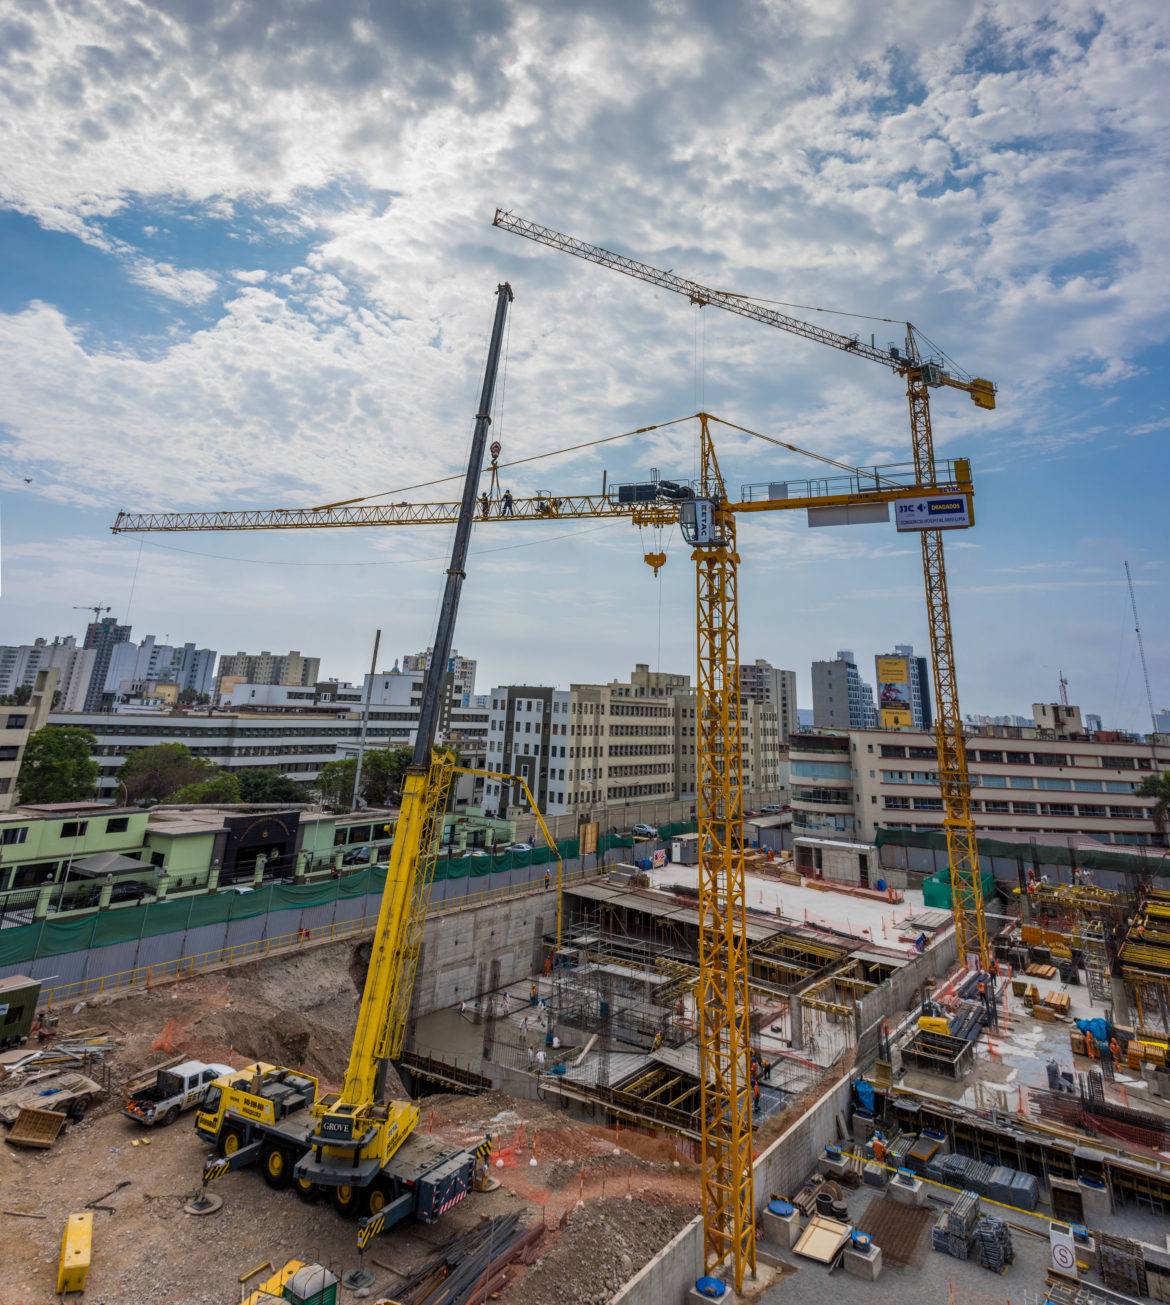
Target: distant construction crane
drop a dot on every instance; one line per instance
(97, 609)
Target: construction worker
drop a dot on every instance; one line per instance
(1115, 1047)
(532, 995)
(507, 510)
(755, 1094)
(484, 504)
(1090, 1045)
(657, 1040)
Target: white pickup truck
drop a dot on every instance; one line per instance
(161, 1096)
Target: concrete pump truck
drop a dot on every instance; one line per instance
(352, 1145)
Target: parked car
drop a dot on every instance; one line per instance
(356, 856)
(645, 831)
(518, 847)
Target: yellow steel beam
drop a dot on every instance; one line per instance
(724, 1030)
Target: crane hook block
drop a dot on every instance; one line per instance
(655, 560)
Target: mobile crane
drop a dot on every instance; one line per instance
(352, 1144)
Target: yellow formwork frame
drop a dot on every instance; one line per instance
(953, 779)
(724, 1034)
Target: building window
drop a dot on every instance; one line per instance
(1020, 781)
(117, 824)
(1019, 758)
(17, 722)
(1084, 809)
(74, 828)
(1024, 808)
(8, 754)
(10, 836)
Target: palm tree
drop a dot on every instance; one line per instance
(1158, 788)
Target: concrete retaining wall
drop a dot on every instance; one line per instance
(671, 1274)
(901, 990)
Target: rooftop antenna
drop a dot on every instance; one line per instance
(1137, 629)
(1063, 689)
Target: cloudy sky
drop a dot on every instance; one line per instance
(248, 260)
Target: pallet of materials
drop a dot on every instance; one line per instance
(1041, 971)
(1058, 1001)
(36, 1128)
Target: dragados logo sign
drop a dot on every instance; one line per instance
(938, 512)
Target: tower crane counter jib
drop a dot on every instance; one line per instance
(353, 1145)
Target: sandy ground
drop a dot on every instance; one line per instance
(299, 1010)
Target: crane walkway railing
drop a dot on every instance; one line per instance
(161, 973)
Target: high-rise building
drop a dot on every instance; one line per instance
(268, 668)
(762, 682)
(903, 689)
(841, 698)
(186, 666)
(103, 637)
(461, 670)
(21, 663)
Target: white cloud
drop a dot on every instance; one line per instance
(993, 171)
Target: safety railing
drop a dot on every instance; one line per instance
(161, 973)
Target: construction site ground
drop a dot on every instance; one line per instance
(609, 1200)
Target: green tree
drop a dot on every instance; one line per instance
(58, 766)
(23, 695)
(220, 787)
(192, 697)
(1158, 788)
(160, 771)
(270, 786)
(383, 770)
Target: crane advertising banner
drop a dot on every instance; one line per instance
(936, 512)
(893, 676)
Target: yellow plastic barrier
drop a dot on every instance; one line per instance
(933, 1024)
(76, 1244)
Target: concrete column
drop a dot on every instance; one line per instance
(302, 867)
(258, 873)
(42, 907)
(104, 895)
(337, 859)
(161, 885)
(795, 1023)
(213, 877)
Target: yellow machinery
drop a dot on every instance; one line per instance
(352, 1143)
(707, 516)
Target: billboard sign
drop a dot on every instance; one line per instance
(893, 676)
(933, 512)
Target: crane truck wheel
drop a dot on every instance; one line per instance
(345, 1200)
(230, 1141)
(277, 1170)
(306, 1189)
(375, 1198)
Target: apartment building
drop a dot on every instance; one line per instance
(102, 637)
(1023, 781)
(268, 668)
(841, 698)
(461, 671)
(765, 683)
(594, 745)
(19, 664)
(17, 725)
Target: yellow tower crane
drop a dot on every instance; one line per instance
(707, 515)
(921, 374)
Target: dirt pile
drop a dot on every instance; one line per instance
(602, 1246)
